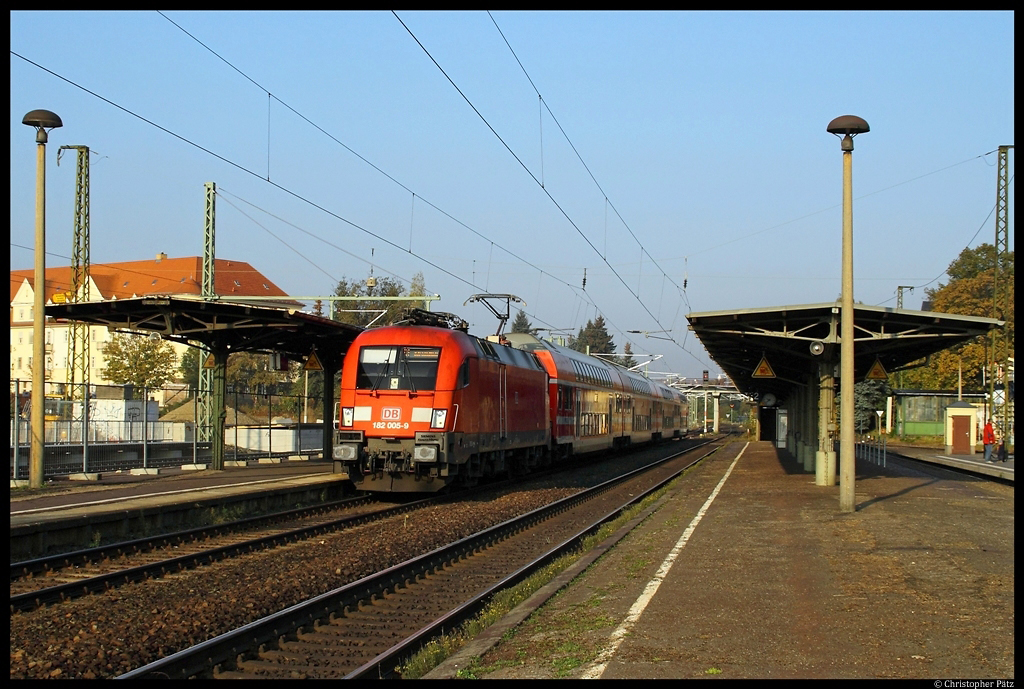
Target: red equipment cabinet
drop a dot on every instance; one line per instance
(424, 407)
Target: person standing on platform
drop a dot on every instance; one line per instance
(988, 439)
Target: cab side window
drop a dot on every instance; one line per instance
(464, 374)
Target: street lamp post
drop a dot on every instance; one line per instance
(847, 126)
(42, 120)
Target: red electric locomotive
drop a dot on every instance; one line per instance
(426, 406)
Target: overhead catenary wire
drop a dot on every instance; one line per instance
(360, 157)
(270, 95)
(540, 99)
(525, 167)
(966, 246)
(287, 190)
(538, 181)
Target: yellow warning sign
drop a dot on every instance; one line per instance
(312, 363)
(876, 372)
(763, 370)
(209, 363)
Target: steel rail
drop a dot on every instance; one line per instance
(205, 656)
(77, 558)
(34, 599)
(385, 665)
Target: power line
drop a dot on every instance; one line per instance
(832, 207)
(298, 196)
(969, 241)
(270, 95)
(536, 180)
(367, 161)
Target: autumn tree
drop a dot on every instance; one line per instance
(139, 361)
(969, 292)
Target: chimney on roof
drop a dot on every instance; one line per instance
(160, 256)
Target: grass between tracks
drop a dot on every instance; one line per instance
(434, 653)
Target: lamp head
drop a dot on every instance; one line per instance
(42, 120)
(848, 126)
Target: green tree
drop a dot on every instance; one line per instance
(521, 324)
(137, 360)
(364, 311)
(970, 292)
(595, 335)
(249, 372)
(971, 263)
(868, 397)
(189, 368)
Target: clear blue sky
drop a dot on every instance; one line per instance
(705, 159)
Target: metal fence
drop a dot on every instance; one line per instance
(872, 449)
(122, 428)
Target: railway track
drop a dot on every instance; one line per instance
(60, 577)
(364, 629)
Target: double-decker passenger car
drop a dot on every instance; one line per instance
(596, 405)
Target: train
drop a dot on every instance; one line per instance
(424, 406)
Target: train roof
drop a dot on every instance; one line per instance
(440, 335)
(585, 365)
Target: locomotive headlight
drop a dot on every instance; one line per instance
(425, 453)
(438, 417)
(346, 416)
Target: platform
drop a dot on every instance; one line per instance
(769, 579)
(72, 515)
(974, 462)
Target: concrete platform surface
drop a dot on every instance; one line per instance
(768, 579)
(63, 499)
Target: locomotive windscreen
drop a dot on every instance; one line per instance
(397, 368)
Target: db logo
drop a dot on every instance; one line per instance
(391, 413)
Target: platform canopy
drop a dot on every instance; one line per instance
(217, 324)
(775, 349)
(225, 327)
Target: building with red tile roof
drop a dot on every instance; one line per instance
(234, 281)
